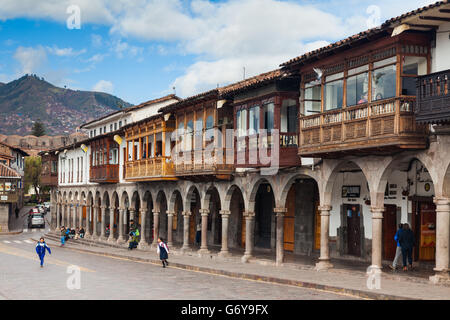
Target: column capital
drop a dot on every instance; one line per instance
(122, 208)
(204, 212)
(170, 213)
(325, 209)
(112, 208)
(280, 211)
(441, 201)
(186, 213)
(225, 212)
(155, 211)
(248, 214)
(103, 207)
(377, 212)
(143, 211)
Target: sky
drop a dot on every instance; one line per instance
(140, 50)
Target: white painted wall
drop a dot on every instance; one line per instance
(441, 54)
(357, 179)
(63, 166)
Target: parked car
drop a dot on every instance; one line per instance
(41, 208)
(34, 211)
(47, 206)
(36, 219)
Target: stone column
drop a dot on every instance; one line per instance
(80, 215)
(186, 216)
(170, 228)
(155, 227)
(324, 259)
(143, 244)
(377, 238)
(94, 229)
(103, 225)
(225, 219)
(112, 211)
(121, 239)
(204, 242)
(88, 221)
(133, 215)
(75, 213)
(249, 235)
(58, 216)
(442, 241)
(280, 212)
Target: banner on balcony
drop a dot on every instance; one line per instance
(84, 148)
(118, 139)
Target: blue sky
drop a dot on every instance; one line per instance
(140, 49)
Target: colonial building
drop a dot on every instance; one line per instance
(12, 167)
(323, 157)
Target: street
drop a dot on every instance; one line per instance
(112, 278)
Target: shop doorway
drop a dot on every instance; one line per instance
(353, 214)
(424, 227)
(389, 231)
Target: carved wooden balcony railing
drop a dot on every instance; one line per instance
(205, 162)
(385, 126)
(153, 169)
(108, 173)
(433, 98)
(50, 180)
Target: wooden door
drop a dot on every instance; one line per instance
(427, 249)
(353, 229)
(318, 223)
(289, 221)
(389, 230)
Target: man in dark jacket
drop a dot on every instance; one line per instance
(407, 242)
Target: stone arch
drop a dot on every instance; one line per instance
(193, 205)
(161, 206)
(286, 186)
(235, 203)
(148, 205)
(212, 202)
(262, 203)
(176, 206)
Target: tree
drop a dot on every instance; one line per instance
(33, 170)
(38, 129)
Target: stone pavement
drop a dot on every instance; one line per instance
(351, 282)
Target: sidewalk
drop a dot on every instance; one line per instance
(349, 282)
(15, 225)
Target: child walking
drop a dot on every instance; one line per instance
(41, 246)
(163, 251)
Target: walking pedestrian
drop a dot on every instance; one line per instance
(407, 243)
(398, 250)
(41, 246)
(163, 251)
(198, 235)
(63, 236)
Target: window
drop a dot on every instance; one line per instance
(115, 126)
(189, 133)
(412, 67)
(312, 99)
(114, 156)
(100, 130)
(289, 116)
(120, 124)
(95, 133)
(104, 129)
(253, 120)
(334, 92)
(357, 89)
(268, 110)
(241, 122)
(110, 127)
(209, 122)
(384, 83)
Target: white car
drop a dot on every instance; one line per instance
(47, 206)
(37, 220)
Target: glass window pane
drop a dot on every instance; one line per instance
(385, 62)
(253, 116)
(269, 116)
(357, 89)
(209, 122)
(334, 77)
(358, 70)
(333, 95)
(384, 83)
(415, 65)
(409, 86)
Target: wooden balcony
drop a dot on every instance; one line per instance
(50, 180)
(381, 127)
(108, 173)
(247, 151)
(433, 98)
(205, 163)
(153, 169)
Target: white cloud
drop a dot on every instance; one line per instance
(65, 52)
(104, 86)
(30, 59)
(122, 49)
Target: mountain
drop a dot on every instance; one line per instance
(31, 98)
